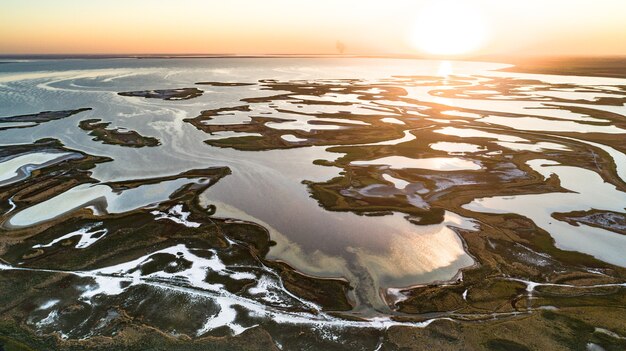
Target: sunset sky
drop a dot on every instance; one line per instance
(468, 27)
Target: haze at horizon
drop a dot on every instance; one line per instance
(532, 27)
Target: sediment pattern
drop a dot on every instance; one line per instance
(480, 210)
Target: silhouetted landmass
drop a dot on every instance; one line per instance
(597, 66)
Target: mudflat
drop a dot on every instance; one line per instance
(379, 206)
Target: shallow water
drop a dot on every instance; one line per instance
(266, 186)
(588, 191)
(19, 167)
(434, 164)
(454, 148)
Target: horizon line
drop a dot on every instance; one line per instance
(299, 55)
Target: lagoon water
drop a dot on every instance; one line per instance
(266, 186)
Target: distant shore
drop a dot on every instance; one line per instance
(614, 67)
(608, 66)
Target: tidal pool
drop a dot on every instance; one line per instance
(456, 147)
(592, 193)
(434, 163)
(17, 168)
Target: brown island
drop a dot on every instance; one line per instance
(116, 136)
(166, 94)
(25, 121)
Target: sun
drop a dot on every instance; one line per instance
(449, 27)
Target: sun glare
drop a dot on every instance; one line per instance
(445, 69)
(449, 28)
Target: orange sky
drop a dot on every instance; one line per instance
(536, 27)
